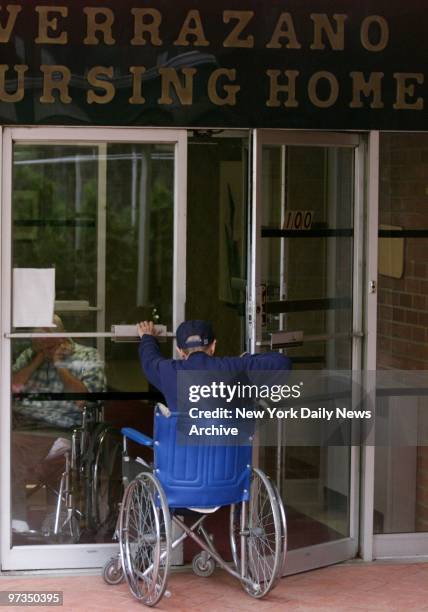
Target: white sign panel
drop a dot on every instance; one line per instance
(33, 297)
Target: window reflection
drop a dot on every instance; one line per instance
(101, 214)
(52, 382)
(308, 279)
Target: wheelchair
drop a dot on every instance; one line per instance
(90, 484)
(201, 477)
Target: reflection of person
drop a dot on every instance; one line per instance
(196, 346)
(54, 366)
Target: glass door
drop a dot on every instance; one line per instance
(94, 224)
(305, 271)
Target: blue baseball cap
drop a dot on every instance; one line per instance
(194, 333)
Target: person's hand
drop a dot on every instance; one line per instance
(38, 347)
(146, 327)
(46, 347)
(18, 387)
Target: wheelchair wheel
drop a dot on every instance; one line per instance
(69, 528)
(284, 538)
(113, 572)
(203, 567)
(107, 487)
(260, 521)
(145, 538)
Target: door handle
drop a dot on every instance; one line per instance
(129, 333)
(283, 339)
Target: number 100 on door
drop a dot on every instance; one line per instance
(298, 220)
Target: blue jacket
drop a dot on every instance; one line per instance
(162, 372)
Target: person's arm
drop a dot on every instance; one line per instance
(151, 359)
(22, 373)
(92, 374)
(80, 370)
(150, 355)
(72, 384)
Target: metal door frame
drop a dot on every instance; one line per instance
(331, 552)
(83, 555)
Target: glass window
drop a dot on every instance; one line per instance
(307, 263)
(307, 272)
(401, 486)
(216, 236)
(101, 215)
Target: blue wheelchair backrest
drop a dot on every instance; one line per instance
(200, 473)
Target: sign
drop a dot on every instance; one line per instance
(298, 220)
(309, 64)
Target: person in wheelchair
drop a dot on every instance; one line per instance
(201, 477)
(196, 346)
(41, 428)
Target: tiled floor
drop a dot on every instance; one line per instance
(346, 587)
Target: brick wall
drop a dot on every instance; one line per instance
(403, 302)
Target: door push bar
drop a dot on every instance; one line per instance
(129, 333)
(118, 333)
(283, 339)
